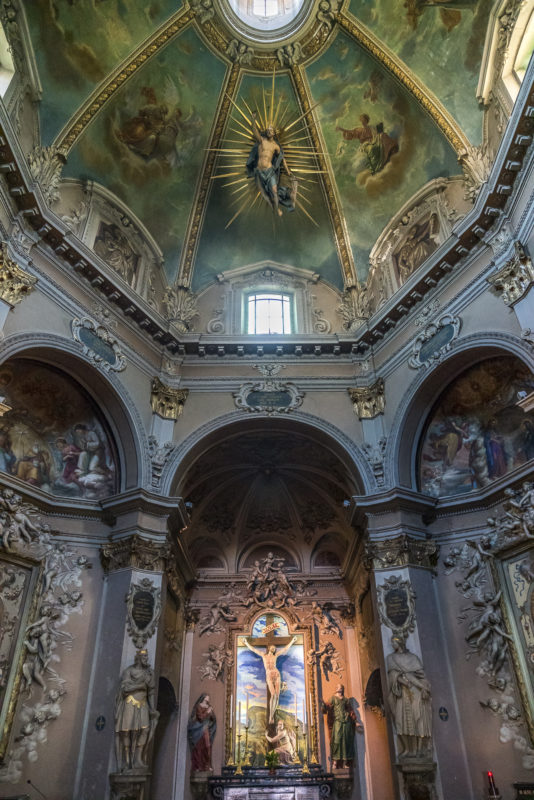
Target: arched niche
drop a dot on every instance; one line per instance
(99, 399)
(413, 414)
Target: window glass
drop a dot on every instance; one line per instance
(268, 313)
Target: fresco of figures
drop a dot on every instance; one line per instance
(53, 438)
(479, 429)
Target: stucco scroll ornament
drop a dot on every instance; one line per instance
(369, 401)
(46, 164)
(98, 344)
(434, 341)
(166, 401)
(15, 284)
(396, 605)
(269, 395)
(513, 281)
(144, 608)
(159, 456)
(326, 14)
(329, 660)
(476, 164)
(375, 456)
(354, 308)
(218, 659)
(180, 307)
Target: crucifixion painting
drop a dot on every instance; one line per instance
(272, 675)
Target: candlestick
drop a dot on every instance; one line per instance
(303, 716)
(305, 768)
(493, 791)
(230, 762)
(246, 760)
(313, 735)
(246, 715)
(239, 771)
(239, 719)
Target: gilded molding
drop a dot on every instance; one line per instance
(87, 112)
(165, 401)
(401, 551)
(338, 221)
(135, 553)
(202, 193)
(15, 284)
(396, 66)
(369, 401)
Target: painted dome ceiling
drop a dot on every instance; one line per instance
(152, 102)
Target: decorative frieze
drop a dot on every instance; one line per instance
(369, 401)
(400, 552)
(513, 281)
(15, 284)
(134, 552)
(165, 401)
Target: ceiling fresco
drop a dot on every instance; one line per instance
(77, 43)
(355, 98)
(155, 173)
(442, 42)
(303, 238)
(148, 140)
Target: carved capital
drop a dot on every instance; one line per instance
(513, 281)
(15, 284)
(134, 552)
(165, 401)
(369, 401)
(400, 552)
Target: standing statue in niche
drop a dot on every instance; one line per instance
(410, 701)
(342, 723)
(201, 730)
(135, 714)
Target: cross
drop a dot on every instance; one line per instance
(266, 641)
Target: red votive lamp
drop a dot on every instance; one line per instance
(493, 791)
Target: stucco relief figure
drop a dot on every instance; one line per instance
(419, 244)
(40, 641)
(201, 730)
(341, 721)
(219, 613)
(135, 714)
(486, 632)
(284, 742)
(410, 701)
(265, 164)
(376, 146)
(113, 247)
(272, 674)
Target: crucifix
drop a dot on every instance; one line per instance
(272, 675)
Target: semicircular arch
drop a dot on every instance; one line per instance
(106, 392)
(424, 391)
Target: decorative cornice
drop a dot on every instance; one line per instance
(396, 66)
(135, 552)
(165, 401)
(70, 134)
(401, 552)
(369, 401)
(15, 284)
(515, 278)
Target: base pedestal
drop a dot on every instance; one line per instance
(129, 785)
(419, 778)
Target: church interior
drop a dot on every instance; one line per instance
(266, 399)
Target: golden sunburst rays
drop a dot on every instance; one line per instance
(298, 170)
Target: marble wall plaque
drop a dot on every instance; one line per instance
(397, 607)
(143, 603)
(236, 794)
(306, 793)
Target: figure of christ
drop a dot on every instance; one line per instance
(272, 674)
(265, 162)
